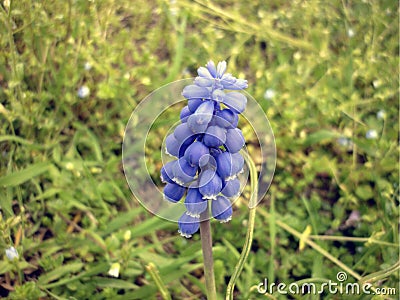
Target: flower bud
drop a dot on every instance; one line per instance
(234, 140)
(195, 152)
(231, 188)
(166, 172)
(210, 184)
(173, 192)
(188, 225)
(235, 101)
(195, 91)
(214, 136)
(221, 209)
(194, 202)
(198, 121)
(183, 172)
(183, 134)
(185, 113)
(226, 118)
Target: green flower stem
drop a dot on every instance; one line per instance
(351, 239)
(152, 269)
(381, 274)
(249, 236)
(16, 269)
(206, 245)
(19, 271)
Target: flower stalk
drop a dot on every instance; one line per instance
(206, 246)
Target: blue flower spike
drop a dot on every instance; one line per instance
(206, 146)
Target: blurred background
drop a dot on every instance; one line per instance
(71, 72)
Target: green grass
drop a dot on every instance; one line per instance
(66, 206)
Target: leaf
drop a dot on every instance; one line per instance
(87, 137)
(121, 220)
(21, 176)
(5, 267)
(99, 268)
(104, 282)
(320, 136)
(365, 192)
(6, 203)
(148, 226)
(22, 141)
(60, 272)
(48, 193)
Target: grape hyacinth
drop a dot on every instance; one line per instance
(206, 145)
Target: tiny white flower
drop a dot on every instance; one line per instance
(371, 134)
(350, 33)
(269, 94)
(297, 55)
(12, 253)
(87, 66)
(6, 3)
(83, 91)
(376, 83)
(343, 141)
(114, 270)
(381, 114)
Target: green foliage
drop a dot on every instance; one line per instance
(27, 291)
(329, 67)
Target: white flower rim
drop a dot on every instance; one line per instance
(226, 220)
(184, 234)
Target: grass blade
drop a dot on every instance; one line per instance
(24, 175)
